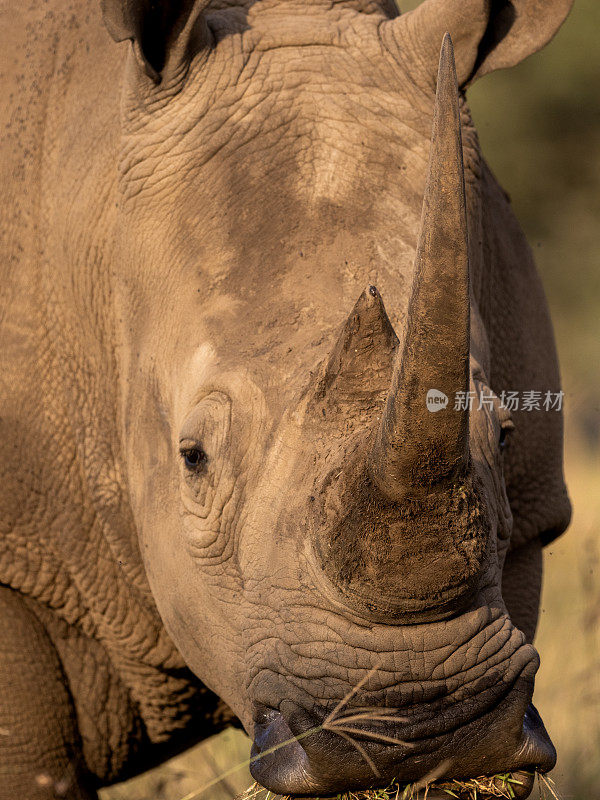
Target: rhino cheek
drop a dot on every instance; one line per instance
(189, 605)
(196, 609)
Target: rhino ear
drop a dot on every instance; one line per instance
(487, 34)
(161, 30)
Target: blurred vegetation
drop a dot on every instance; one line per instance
(567, 691)
(539, 125)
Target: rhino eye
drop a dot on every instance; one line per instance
(194, 458)
(505, 431)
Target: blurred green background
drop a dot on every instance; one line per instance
(539, 125)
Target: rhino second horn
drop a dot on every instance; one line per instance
(416, 449)
(364, 352)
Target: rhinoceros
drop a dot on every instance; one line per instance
(259, 327)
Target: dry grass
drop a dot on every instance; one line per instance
(499, 786)
(483, 788)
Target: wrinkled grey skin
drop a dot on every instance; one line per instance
(188, 223)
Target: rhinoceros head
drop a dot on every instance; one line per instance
(322, 513)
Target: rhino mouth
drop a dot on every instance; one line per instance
(313, 764)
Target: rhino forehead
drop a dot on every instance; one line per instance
(294, 159)
(321, 105)
(285, 162)
(264, 276)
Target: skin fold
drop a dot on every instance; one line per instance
(193, 374)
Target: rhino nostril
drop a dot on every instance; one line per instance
(263, 715)
(536, 750)
(277, 760)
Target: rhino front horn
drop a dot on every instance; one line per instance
(417, 448)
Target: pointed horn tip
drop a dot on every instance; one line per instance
(370, 296)
(447, 65)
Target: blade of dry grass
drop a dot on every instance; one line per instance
(380, 737)
(378, 715)
(549, 784)
(362, 752)
(433, 775)
(197, 792)
(357, 709)
(344, 701)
